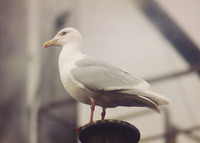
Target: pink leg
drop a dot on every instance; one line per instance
(92, 110)
(78, 130)
(103, 114)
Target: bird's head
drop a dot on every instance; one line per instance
(63, 37)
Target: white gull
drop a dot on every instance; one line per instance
(96, 82)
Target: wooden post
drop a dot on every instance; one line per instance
(109, 131)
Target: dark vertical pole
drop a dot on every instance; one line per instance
(109, 131)
(12, 70)
(171, 131)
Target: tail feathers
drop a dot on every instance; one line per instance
(150, 95)
(150, 104)
(159, 99)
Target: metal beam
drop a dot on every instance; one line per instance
(171, 31)
(193, 69)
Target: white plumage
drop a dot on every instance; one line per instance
(95, 82)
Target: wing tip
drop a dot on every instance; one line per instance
(164, 101)
(156, 109)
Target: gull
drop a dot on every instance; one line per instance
(96, 82)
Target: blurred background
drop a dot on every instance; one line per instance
(156, 40)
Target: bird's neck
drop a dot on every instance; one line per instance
(69, 52)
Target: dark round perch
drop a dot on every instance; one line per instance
(109, 131)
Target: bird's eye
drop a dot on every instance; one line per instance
(63, 33)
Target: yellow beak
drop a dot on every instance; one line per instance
(49, 43)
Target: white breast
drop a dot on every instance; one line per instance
(71, 85)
